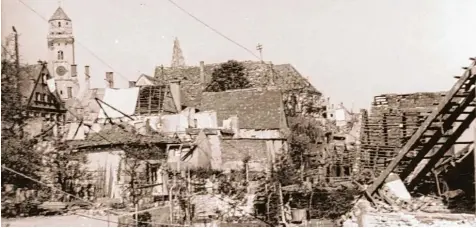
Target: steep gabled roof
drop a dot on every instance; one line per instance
(33, 82)
(154, 100)
(255, 108)
(28, 76)
(59, 14)
(284, 76)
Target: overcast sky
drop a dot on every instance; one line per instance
(351, 50)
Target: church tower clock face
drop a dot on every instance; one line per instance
(61, 70)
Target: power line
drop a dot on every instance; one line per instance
(214, 30)
(87, 49)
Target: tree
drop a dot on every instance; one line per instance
(230, 75)
(17, 148)
(305, 134)
(68, 167)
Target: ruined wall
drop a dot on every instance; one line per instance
(392, 120)
(233, 152)
(305, 103)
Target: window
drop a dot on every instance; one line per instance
(60, 55)
(61, 92)
(67, 23)
(70, 92)
(37, 96)
(44, 98)
(59, 23)
(59, 44)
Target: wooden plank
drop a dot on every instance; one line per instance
(415, 138)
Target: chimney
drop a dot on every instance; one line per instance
(176, 94)
(132, 84)
(110, 79)
(87, 76)
(74, 70)
(202, 73)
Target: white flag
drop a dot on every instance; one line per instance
(51, 84)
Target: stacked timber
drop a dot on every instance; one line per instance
(392, 121)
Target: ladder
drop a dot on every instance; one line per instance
(437, 134)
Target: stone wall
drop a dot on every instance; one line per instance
(234, 151)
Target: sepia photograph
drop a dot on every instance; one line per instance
(249, 113)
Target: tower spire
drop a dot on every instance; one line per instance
(177, 56)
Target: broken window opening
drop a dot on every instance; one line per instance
(60, 55)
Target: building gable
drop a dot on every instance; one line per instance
(40, 97)
(145, 80)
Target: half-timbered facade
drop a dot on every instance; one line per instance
(39, 100)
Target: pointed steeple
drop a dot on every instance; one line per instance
(177, 56)
(59, 15)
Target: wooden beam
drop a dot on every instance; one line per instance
(446, 126)
(474, 155)
(444, 105)
(441, 151)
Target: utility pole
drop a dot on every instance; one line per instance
(259, 47)
(17, 57)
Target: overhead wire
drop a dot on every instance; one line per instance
(213, 29)
(179, 7)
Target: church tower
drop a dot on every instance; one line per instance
(177, 56)
(61, 61)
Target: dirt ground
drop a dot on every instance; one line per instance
(64, 221)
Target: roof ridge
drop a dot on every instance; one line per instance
(240, 90)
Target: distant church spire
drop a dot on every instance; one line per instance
(177, 56)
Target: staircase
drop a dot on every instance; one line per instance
(437, 134)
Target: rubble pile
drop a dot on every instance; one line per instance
(222, 206)
(421, 211)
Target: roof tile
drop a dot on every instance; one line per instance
(255, 108)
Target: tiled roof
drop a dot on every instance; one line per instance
(284, 76)
(120, 135)
(59, 14)
(28, 76)
(255, 108)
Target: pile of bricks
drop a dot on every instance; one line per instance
(392, 121)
